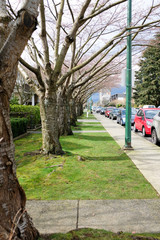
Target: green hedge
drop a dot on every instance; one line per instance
(32, 113)
(19, 126)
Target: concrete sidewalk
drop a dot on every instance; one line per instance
(112, 215)
(145, 155)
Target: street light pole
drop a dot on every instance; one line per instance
(128, 79)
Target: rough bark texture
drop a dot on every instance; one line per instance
(73, 112)
(15, 223)
(50, 129)
(64, 116)
(79, 109)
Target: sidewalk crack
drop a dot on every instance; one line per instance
(77, 215)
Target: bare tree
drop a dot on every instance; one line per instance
(91, 34)
(22, 90)
(15, 222)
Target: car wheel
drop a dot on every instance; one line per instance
(154, 137)
(134, 128)
(112, 118)
(122, 123)
(143, 132)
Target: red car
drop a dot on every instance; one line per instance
(143, 120)
(108, 110)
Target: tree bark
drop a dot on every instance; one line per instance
(15, 223)
(73, 112)
(79, 109)
(50, 128)
(64, 116)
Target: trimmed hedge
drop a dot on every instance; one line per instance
(19, 126)
(32, 113)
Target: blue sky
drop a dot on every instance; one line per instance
(120, 89)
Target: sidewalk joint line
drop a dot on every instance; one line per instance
(77, 214)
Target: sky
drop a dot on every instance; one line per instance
(137, 6)
(120, 89)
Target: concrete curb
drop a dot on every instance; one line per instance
(112, 215)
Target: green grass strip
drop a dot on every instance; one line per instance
(94, 167)
(84, 116)
(86, 127)
(88, 123)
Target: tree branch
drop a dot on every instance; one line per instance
(43, 34)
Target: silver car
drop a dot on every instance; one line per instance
(155, 129)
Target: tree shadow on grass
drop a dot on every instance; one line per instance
(120, 157)
(93, 137)
(70, 145)
(89, 128)
(73, 146)
(26, 160)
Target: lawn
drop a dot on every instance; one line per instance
(88, 126)
(93, 167)
(84, 116)
(92, 234)
(88, 123)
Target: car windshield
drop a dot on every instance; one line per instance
(115, 110)
(151, 113)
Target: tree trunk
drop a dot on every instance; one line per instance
(73, 112)
(64, 116)
(50, 128)
(79, 108)
(15, 223)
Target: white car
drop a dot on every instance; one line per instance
(155, 129)
(149, 106)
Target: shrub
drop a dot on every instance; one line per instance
(14, 100)
(19, 126)
(32, 113)
(118, 105)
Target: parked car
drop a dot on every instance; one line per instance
(143, 120)
(121, 117)
(98, 109)
(108, 109)
(149, 106)
(113, 113)
(155, 129)
(103, 109)
(94, 108)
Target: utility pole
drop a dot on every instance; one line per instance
(128, 79)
